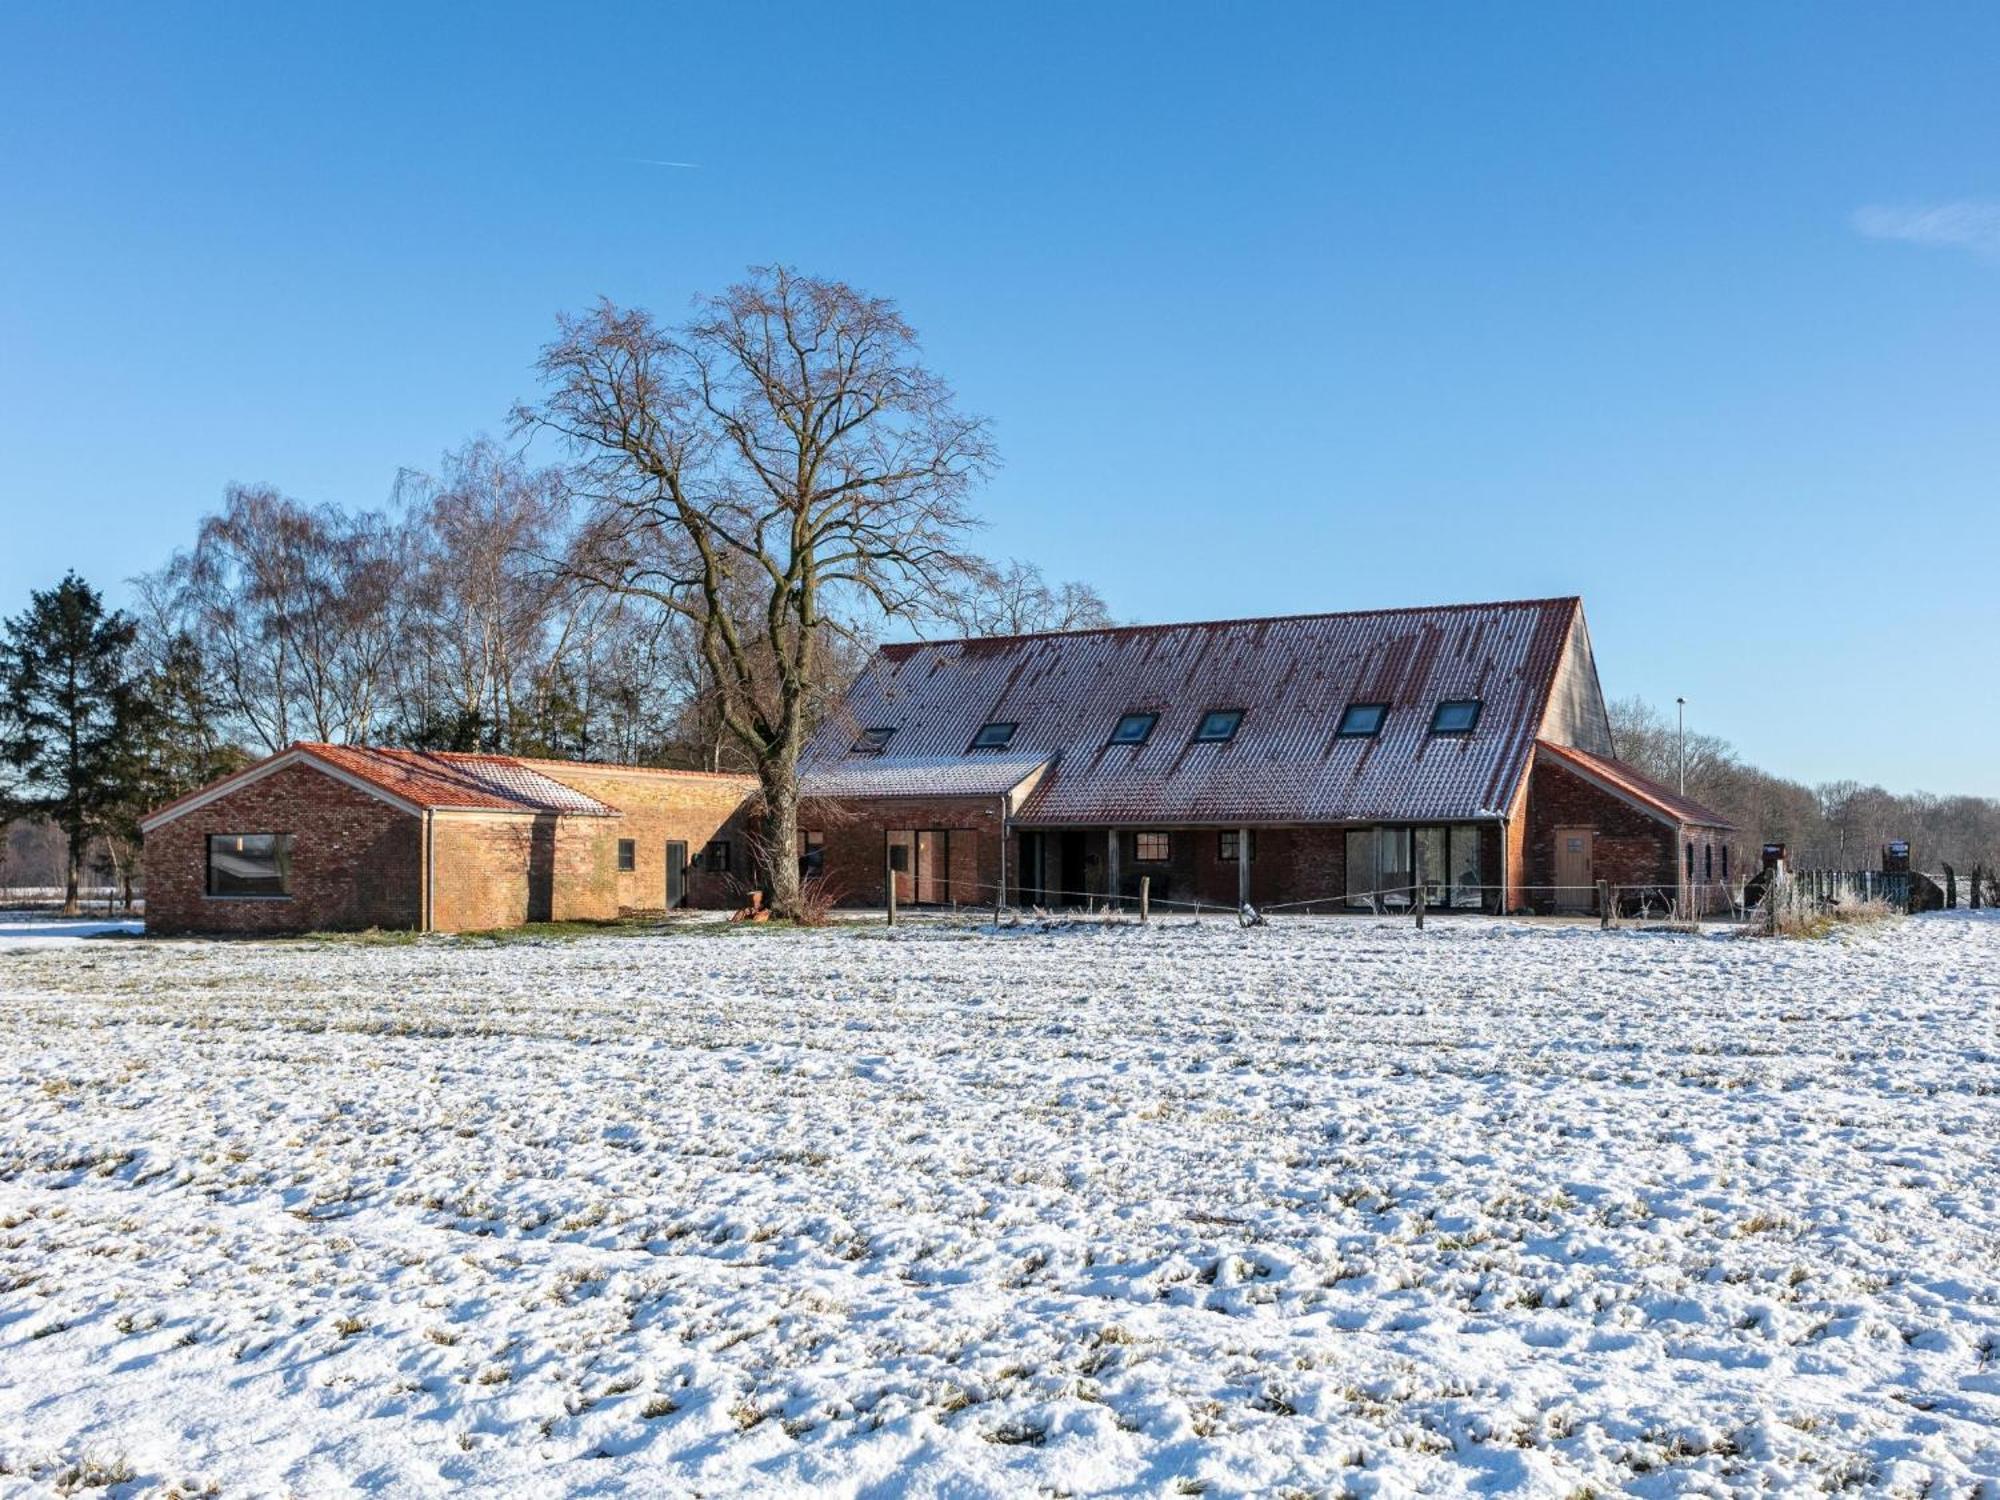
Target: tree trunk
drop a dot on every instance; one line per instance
(72, 905)
(781, 837)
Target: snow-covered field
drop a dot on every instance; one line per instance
(1332, 1207)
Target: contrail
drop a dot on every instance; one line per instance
(647, 161)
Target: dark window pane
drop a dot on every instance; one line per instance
(1465, 865)
(1218, 725)
(994, 736)
(1455, 716)
(1363, 719)
(717, 856)
(1134, 729)
(872, 741)
(249, 864)
(1225, 845)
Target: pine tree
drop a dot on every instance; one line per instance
(73, 708)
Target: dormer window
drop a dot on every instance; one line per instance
(1455, 716)
(1362, 721)
(994, 736)
(872, 740)
(1218, 726)
(1134, 729)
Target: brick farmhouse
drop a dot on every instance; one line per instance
(1327, 762)
(1330, 761)
(328, 837)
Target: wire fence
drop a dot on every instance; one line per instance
(1701, 900)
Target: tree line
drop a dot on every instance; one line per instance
(736, 505)
(1834, 825)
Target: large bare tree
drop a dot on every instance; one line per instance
(1015, 598)
(779, 464)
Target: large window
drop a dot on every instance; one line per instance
(1383, 864)
(1218, 726)
(1151, 848)
(1134, 729)
(1455, 716)
(628, 854)
(1362, 720)
(249, 865)
(994, 736)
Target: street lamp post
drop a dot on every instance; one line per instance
(1681, 753)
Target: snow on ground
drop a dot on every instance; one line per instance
(22, 929)
(1332, 1207)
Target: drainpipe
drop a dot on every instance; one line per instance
(1000, 896)
(1501, 904)
(430, 872)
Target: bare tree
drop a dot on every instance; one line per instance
(488, 617)
(1015, 599)
(296, 609)
(781, 459)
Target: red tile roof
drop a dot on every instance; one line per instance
(1292, 676)
(443, 779)
(1636, 786)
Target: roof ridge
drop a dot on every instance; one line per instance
(1318, 614)
(495, 757)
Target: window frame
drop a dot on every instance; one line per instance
(1477, 705)
(1165, 855)
(628, 856)
(715, 857)
(280, 842)
(872, 740)
(1151, 722)
(1342, 732)
(1225, 839)
(1202, 737)
(1012, 727)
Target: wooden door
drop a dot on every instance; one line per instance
(677, 863)
(1576, 888)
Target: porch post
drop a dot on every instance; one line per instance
(1111, 865)
(1242, 868)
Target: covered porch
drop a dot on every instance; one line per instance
(1367, 867)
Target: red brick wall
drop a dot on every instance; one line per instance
(1630, 848)
(356, 860)
(856, 835)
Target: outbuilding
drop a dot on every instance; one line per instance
(328, 837)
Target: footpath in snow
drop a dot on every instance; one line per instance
(1331, 1207)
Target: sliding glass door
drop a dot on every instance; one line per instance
(1382, 866)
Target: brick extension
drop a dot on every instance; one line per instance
(380, 843)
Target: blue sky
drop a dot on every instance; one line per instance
(1694, 310)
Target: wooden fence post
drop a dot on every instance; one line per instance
(1607, 914)
(1145, 896)
(889, 879)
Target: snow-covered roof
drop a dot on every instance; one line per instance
(977, 775)
(1292, 677)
